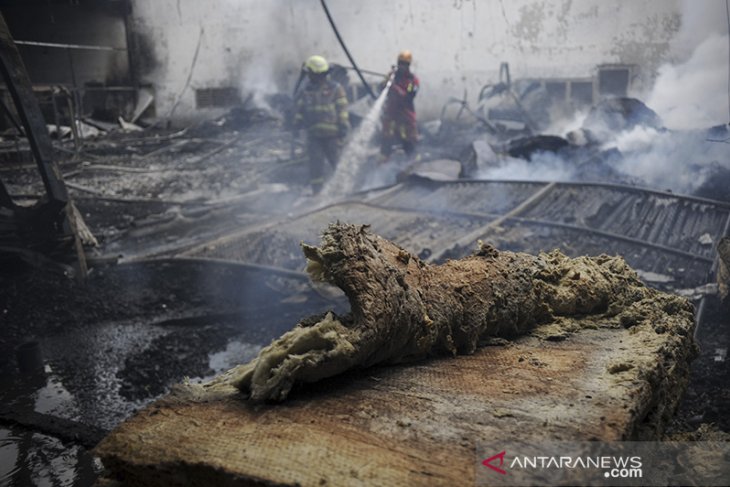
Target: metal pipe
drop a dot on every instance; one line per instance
(69, 46)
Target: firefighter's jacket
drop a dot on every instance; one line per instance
(321, 109)
(399, 105)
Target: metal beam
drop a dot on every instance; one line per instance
(16, 79)
(69, 46)
(20, 88)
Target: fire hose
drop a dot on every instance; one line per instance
(347, 52)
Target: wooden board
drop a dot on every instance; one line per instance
(412, 425)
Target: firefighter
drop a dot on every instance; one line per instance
(399, 114)
(321, 110)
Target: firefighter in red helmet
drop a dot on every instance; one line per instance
(399, 113)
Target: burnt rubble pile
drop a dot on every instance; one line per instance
(230, 193)
(620, 140)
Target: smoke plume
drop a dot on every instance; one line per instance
(694, 94)
(690, 95)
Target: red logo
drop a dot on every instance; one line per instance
(488, 462)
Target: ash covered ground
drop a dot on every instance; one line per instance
(198, 263)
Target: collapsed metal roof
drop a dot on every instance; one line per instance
(669, 238)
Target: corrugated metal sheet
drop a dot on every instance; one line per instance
(669, 236)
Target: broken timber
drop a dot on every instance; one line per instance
(20, 89)
(58, 202)
(604, 359)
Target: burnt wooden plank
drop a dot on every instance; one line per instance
(412, 425)
(21, 91)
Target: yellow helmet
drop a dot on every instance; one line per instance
(405, 57)
(316, 65)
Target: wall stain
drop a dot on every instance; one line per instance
(504, 14)
(563, 16)
(529, 27)
(648, 55)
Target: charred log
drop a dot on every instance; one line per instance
(403, 309)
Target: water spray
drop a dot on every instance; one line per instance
(295, 93)
(354, 154)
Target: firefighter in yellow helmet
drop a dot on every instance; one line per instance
(321, 110)
(399, 113)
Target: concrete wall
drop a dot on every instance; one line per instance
(457, 44)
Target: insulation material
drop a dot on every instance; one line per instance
(604, 358)
(403, 309)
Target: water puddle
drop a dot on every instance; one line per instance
(34, 459)
(83, 380)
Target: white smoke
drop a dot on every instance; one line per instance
(690, 95)
(676, 161)
(271, 64)
(692, 91)
(258, 79)
(694, 94)
(700, 21)
(543, 166)
(564, 125)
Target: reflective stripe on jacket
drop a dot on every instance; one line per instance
(321, 109)
(399, 105)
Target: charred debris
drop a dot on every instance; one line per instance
(187, 238)
(126, 175)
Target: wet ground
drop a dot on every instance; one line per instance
(31, 458)
(108, 347)
(143, 322)
(708, 395)
(121, 340)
